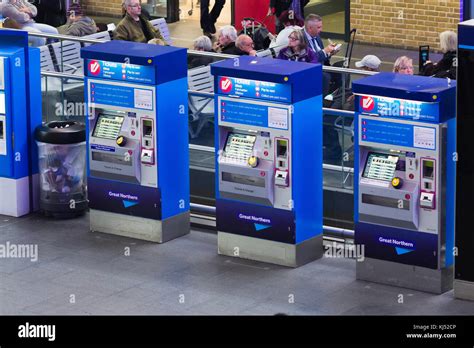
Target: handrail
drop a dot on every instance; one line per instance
(61, 75)
(59, 36)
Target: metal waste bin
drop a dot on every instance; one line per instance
(62, 168)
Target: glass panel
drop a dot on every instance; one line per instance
(156, 8)
(333, 13)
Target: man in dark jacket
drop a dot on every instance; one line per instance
(135, 27)
(78, 24)
(277, 7)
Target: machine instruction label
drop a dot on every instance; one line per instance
(254, 89)
(123, 96)
(399, 108)
(120, 71)
(253, 114)
(400, 134)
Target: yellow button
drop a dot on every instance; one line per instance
(435, 97)
(253, 161)
(149, 61)
(120, 140)
(286, 78)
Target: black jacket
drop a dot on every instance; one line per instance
(283, 5)
(232, 49)
(53, 12)
(444, 68)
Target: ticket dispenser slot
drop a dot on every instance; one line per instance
(281, 162)
(3, 132)
(148, 152)
(427, 195)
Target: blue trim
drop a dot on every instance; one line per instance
(307, 172)
(466, 47)
(450, 192)
(173, 146)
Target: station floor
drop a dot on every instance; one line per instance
(80, 272)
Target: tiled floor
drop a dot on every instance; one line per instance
(79, 272)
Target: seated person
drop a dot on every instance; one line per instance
(203, 44)
(343, 98)
(297, 49)
(245, 44)
(23, 13)
(290, 24)
(77, 24)
(444, 68)
(403, 65)
(226, 37)
(135, 27)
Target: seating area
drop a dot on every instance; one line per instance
(65, 56)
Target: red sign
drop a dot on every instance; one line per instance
(225, 85)
(94, 67)
(367, 103)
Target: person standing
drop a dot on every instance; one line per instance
(277, 7)
(209, 19)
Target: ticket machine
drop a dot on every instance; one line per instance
(20, 95)
(138, 171)
(404, 196)
(464, 252)
(268, 160)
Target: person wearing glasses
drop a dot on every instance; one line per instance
(297, 49)
(403, 65)
(134, 26)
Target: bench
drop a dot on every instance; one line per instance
(201, 109)
(160, 25)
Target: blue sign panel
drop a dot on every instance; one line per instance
(120, 71)
(407, 135)
(399, 108)
(123, 96)
(254, 114)
(254, 89)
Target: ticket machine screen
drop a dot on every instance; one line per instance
(380, 166)
(239, 146)
(108, 126)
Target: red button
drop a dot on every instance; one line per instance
(130, 152)
(407, 196)
(133, 133)
(411, 176)
(265, 153)
(262, 173)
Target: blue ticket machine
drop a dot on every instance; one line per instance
(138, 170)
(404, 192)
(268, 142)
(464, 256)
(20, 96)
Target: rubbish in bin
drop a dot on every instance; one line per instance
(62, 167)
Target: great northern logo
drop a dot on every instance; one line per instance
(225, 85)
(367, 103)
(94, 67)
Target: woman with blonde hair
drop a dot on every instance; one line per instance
(448, 41)
(403, 65)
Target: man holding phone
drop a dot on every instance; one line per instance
(313, 26)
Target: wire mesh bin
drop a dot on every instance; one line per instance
(62, 168)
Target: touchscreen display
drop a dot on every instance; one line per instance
(380, 166)
(239, 146)
(108, 126)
